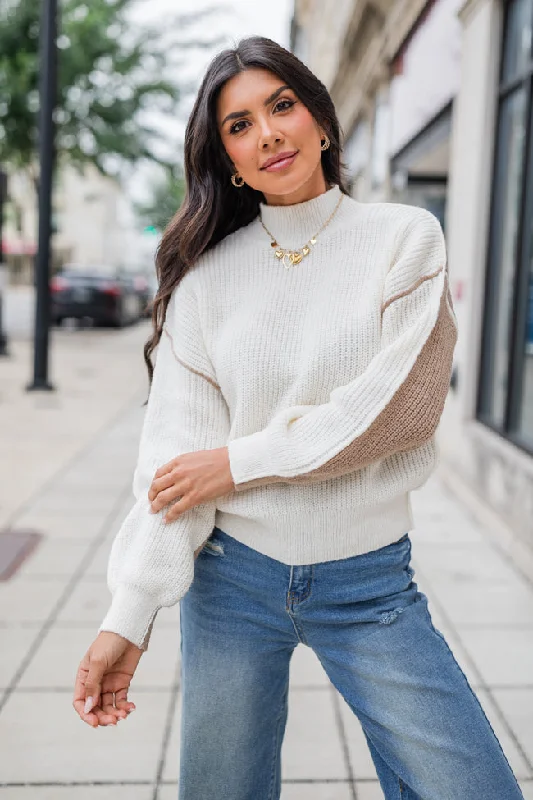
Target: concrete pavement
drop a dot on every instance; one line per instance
(66, 472)
(97, 373)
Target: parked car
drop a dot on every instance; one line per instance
(100, 292)
(146, 294)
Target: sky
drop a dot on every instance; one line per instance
(245, 17)
(234, 19)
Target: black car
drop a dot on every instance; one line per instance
(102, 293)
(146, 294)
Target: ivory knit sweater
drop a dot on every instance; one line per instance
(326, 381)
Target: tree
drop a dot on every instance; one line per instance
(167, 195)
(109, 74)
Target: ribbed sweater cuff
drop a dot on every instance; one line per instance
(131, 614)
(249, 458)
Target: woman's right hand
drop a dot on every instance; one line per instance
(103, 679)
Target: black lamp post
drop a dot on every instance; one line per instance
(47, 94)
(3, 268)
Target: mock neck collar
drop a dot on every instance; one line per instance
(293, 225)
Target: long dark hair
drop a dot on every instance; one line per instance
(213, 207)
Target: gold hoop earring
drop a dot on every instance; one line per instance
(234, 180)
(326, 143)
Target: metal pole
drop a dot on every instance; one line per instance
(47, 94)
(3, 267)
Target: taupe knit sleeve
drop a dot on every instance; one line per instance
(394, 405)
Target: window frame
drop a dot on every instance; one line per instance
(521, 269)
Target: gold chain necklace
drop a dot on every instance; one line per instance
(292, 257)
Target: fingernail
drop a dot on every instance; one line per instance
(88, 705)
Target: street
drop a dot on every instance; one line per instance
(66, 474)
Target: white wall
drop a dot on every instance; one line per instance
(323, 29)
(96, 220)
(431, 73)
(23, 195)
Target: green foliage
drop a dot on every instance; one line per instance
(109, 75)
(18, 82)
(167, 196)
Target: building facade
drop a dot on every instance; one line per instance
(434, 98)
(93, 220)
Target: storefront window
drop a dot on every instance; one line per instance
(518, 39)
(512, 134)
(506, 379)
(526, 400)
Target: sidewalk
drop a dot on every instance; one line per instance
(77, 494)
(97, 374)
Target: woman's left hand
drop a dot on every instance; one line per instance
(193, 477)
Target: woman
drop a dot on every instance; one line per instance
(305, 344)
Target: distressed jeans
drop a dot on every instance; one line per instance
(372, 631)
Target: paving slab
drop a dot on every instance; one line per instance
(64, 423)
(97, 567)
(504, 657)
(56, 663)
(43, 740)
(464, 563)
(514, 752)
(24, 599)
(76, 503)
(117, 792)
(14, 645)
(171, 754)
(312, 746)
(316, 791)
(54, 558)
(337, 790)
(306, 671)
(496, 604)
(361, 764)
(60, 525)
(517, 707)
(89, 603)
(368, 791)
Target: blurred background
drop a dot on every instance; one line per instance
(435, 103)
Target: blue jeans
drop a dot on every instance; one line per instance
(371, 629)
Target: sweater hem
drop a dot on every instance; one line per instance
(322, 536)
